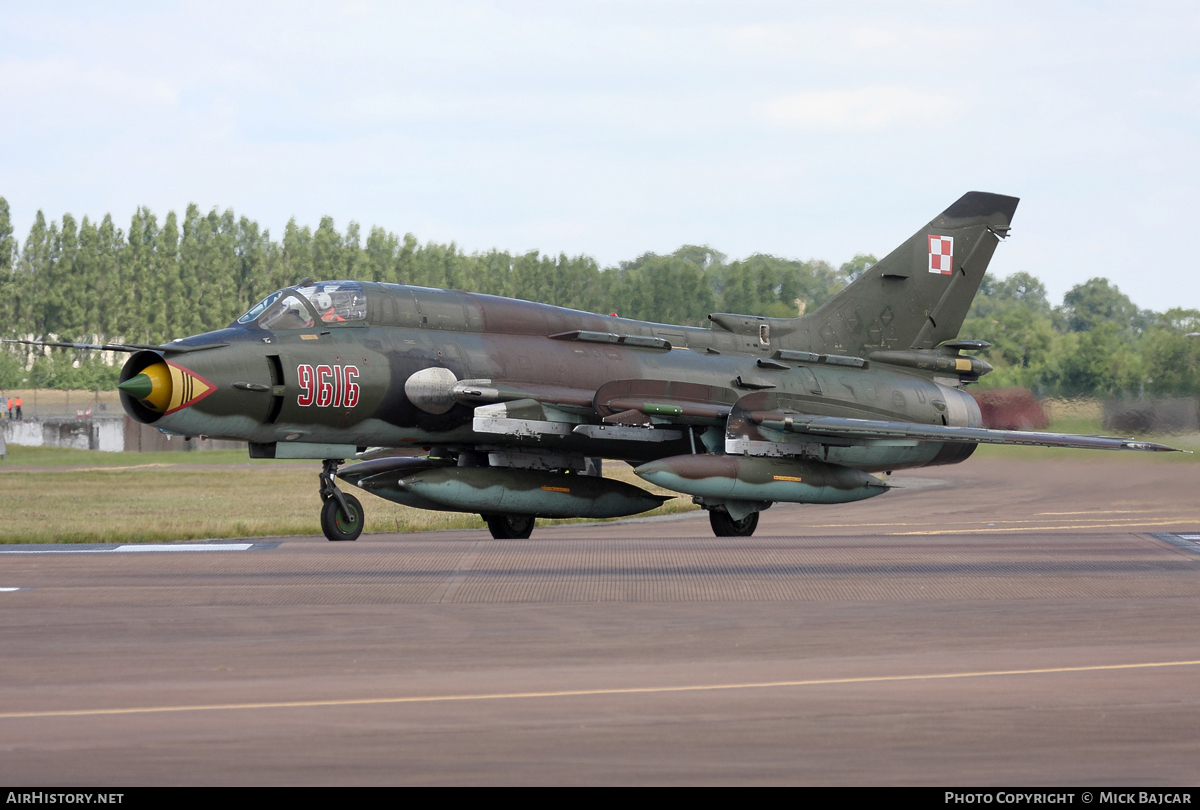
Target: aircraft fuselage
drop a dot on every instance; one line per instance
(346, 382)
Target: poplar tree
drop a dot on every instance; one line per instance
(87, 281)
(405, 264)
(8, 255)
(188, 315)
(222, 267)
(296, 261)
(61, 288)
(380, 256)
(109, 295)
(253, 251)
(352, 260)
(140, 306)
(326, 250)
(34, 256)
(173, 298)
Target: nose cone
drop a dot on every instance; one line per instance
(140, 386)
(712, 476)
(659, 473)
(653, 471)
(155, 387)
(152, 387)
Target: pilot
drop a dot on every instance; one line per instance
(323, 301)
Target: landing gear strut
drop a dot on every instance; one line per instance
(723, 524)
(509, 527)
(341, 513)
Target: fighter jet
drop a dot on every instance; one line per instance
(474, 403)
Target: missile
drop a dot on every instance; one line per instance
(761, 479)
(379, 468)
(379, 477)
(499, 490)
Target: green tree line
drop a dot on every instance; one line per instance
(1097, 343)
(88, 280)
(81, 279)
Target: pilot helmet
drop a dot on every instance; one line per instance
(322, 301)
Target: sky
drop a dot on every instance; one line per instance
(805, 130)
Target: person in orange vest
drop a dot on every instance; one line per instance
(16, 404)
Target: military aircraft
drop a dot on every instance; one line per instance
(501, 407)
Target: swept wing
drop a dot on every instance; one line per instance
(819, 427)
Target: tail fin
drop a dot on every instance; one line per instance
(919, 294)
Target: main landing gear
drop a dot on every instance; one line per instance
(724, 525)
(509, 527)
(341, 513)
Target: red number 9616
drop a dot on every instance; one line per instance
(327, 386)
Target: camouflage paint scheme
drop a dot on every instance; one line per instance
(515, 397)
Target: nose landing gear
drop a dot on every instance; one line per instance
(341, 513)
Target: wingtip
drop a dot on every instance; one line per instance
(1154, 447)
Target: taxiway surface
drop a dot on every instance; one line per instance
(997, 622)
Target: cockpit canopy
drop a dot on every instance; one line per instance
(301, 307)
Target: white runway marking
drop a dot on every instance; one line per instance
(144, 547)
(191, 547)
(10, 589)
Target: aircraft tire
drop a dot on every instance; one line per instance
(723, 525)
(509, 527)
(333, 520)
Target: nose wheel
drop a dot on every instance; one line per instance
(341, 513)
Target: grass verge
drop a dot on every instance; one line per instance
(158, 497)
(1077, 424)
(55, 495)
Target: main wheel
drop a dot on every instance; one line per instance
(723, 524)
(336, 524)
(509, 527)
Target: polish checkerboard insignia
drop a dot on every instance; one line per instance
(941, 254)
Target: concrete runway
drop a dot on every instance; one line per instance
(998, 622)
